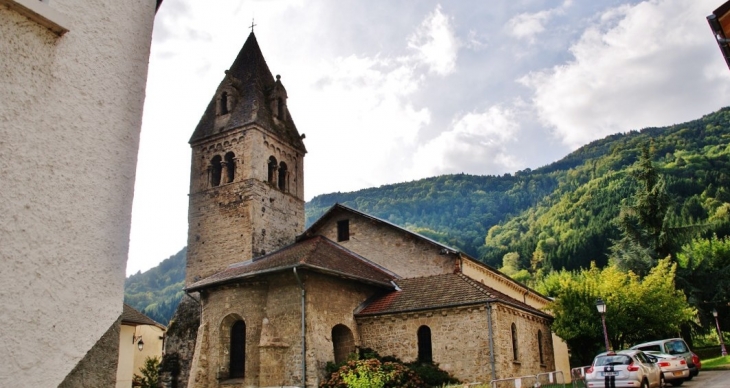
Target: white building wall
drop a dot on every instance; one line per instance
(70, 116)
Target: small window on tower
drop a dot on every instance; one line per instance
(282, 176)
(224, 103)
(343, 230)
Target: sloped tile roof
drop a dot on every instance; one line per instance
(338, 207)
(132, 317)
(317, 254)
(254, 83)
(439, 291)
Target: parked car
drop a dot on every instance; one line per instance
(674, 347)
(696, 360)
(674, 368)
(622, 369)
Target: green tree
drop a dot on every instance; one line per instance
(150, 374)
(633, 306)
(705, 267)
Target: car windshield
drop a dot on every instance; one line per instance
(676, 347)
(618, 359)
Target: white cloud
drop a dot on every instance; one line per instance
(650, 64)
(528, 25)
(361, 120)
(474, 143)
(436, 43)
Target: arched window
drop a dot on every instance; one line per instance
(425, 354)
(272, 170)
(515, 352)
(282, 176)
(224, 103)
(539, 346)
(215, 170)
(230, 167)
(238, 350)
(343, 343)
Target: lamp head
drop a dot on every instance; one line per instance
(601, 306)
(714, 313)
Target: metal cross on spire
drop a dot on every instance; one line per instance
(252, 25)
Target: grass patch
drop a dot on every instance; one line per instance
(716, 363)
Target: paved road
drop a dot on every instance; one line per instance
(710, 379)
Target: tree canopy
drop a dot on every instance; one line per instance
(637, 309)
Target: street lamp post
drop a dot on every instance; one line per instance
(601, 306)
(719, 333)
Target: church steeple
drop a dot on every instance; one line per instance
(247, 172)
(248, 94)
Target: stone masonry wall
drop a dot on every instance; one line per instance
(330, 301)
(271, 310)
(528, 361)
(246, 218)
(497, 281)
(460, 340)
(389, 247)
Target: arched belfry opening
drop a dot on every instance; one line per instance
(216, 168)
(272, 167)
(425, 351)
(282, 176)
(343, 342)
(230, 163)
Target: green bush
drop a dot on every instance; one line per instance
(367, 368)
(372, 373)
(431, 374)
(150, 374)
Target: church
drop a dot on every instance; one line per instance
(278, 302)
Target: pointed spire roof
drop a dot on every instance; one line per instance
(254, 87)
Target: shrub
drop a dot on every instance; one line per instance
(367, 368)
(150, 374)
(431, 374)
(373, 373)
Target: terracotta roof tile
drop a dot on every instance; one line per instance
(133, 317)
(317, 253)
(439, 291)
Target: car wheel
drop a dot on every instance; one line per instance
(662, 383)
(644, 384)
(677, 383)
(691, 375)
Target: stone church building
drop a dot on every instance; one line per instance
(277, 302)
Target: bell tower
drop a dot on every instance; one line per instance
(247, 170)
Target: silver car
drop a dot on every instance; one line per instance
(624, 369)
(674, 368)
(675, 347)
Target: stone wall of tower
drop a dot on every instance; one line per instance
(249, 216)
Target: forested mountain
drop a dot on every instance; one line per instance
(562, 215)
(157, 292)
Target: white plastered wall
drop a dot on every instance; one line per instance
(70, 116)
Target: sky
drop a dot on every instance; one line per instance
(394, 91)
